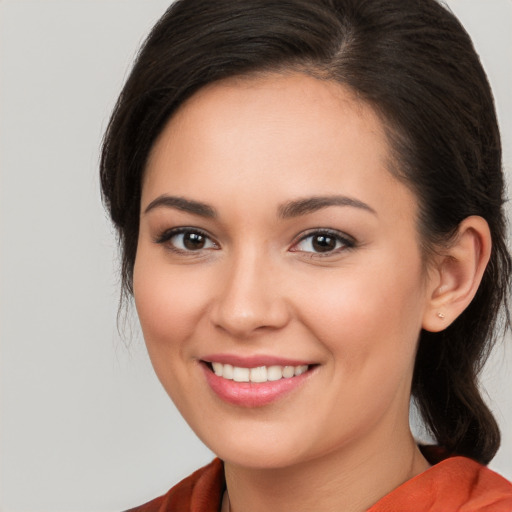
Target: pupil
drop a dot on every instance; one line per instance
(193, 241)
(324, 243)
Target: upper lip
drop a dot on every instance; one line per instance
(253, 361)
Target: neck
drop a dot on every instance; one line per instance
(350, 479)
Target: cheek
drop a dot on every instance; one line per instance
(168, 301)
(169, 305)
(374, 314)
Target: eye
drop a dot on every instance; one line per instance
(186, 240)
(323, 242)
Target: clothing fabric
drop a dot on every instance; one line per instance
(456, 484)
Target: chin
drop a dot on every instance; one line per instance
(258, 458)
(262, 449)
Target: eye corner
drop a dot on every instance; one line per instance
(329, 242)
(198, 242)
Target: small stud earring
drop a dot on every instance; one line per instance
(441, 315)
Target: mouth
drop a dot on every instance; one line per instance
(254, 385)
(258, 374)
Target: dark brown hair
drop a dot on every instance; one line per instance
(414, 63)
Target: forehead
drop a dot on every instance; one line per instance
(271, 104)
(281, 134)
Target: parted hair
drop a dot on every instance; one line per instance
(414, 63)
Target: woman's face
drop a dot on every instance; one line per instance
(277, 249)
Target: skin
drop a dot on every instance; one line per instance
(245, 148)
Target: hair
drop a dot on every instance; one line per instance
(415, 65)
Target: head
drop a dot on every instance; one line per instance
(413, 65)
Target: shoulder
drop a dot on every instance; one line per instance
(199, 492)
(454, 484)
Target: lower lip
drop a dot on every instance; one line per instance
(252, 394)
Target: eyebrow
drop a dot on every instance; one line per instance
(287, 210)
(180, 203)
(312, 204)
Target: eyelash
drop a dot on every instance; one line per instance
(169, 234)
(345, 242)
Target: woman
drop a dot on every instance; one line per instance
(308, 196)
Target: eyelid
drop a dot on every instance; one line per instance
(166, 235)
(348, 241)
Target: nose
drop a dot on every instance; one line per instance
(250, 298)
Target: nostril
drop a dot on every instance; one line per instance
(246, 318)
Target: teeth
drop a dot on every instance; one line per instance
(259, 374)
(288, 371)
(217, 368)
(275, 373)
(240, 374)
(299, 370)
(227, 371)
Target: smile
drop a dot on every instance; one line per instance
(259, 374)
(254, 382)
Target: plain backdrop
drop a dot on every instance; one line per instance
(84, 423)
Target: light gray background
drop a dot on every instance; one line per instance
(84, 424)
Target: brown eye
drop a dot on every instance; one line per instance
(186, 240)
(193, 241)
(323, 243)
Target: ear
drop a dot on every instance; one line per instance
(456, 274)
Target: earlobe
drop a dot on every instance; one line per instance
(459, 269)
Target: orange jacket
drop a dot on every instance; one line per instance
(456, 484)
